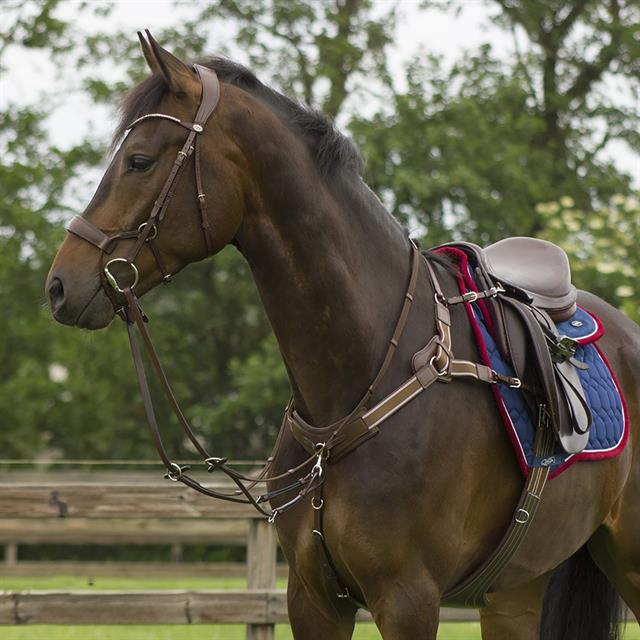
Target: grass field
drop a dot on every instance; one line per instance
(451, 631)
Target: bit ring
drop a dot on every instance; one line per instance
(111, 279)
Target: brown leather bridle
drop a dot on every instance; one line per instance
(147, 232)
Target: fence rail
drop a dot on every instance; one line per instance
(135, 508)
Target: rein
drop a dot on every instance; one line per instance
(433, 363)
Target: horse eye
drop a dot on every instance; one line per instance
(139, 163)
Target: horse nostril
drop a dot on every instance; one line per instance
(56, 294)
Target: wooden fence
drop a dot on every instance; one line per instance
(135, 508)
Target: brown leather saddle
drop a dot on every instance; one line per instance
(536, 278)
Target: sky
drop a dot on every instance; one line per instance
(418, 30)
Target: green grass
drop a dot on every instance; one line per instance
(128, 584)
(450, 631)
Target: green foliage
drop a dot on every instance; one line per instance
(469, 150)
(602, 245)
(497, 137)
(306, 45)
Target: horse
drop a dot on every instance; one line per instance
(413, 510)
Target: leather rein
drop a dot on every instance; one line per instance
(433, 363)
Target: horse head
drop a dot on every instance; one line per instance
(144, 223)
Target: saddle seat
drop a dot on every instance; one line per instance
(538, 267)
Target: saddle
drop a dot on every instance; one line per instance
(534, 280)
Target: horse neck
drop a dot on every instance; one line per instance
(331, 266)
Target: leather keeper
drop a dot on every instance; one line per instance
(427, 375)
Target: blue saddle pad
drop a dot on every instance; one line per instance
(610, 421)
(610, 428)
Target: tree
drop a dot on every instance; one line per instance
(473, 149)
(220, 354)
(602, 245)
(469, 151)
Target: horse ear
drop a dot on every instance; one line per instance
(148, 54)
(176, 74)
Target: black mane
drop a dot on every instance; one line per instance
(331, 148)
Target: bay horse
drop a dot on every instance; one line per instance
(412, 511)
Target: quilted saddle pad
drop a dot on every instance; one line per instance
(610, 428)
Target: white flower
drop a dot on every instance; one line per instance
(58, 372)
(606, 267)
(624, 291)
(566, 202)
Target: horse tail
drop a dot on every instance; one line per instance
(580, 602)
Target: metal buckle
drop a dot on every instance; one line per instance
(564, 349)
(111, 279)
(470, 296)
(154, 231)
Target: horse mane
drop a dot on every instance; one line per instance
(331, 149)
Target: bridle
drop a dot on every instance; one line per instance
(134, 317)
(147, 232)
(433, 363)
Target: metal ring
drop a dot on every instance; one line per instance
(522, 516)
(152, 235)
(111, 279)
(174, 475)
(319, 506)
(445, 370)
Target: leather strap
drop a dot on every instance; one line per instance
(343, 436)
(86, 230)
(472, 591)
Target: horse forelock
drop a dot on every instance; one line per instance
(331, 148)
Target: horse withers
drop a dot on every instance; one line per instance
(411, 511)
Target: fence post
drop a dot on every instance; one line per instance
(11, 554)
(261, 569)
(177, 552)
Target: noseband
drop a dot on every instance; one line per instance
(147, 232)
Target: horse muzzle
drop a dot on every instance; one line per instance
(87, 307)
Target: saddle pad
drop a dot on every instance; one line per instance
(610, 428)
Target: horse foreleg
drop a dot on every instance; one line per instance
(406, 608)
(514, 614)
(316, 616)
